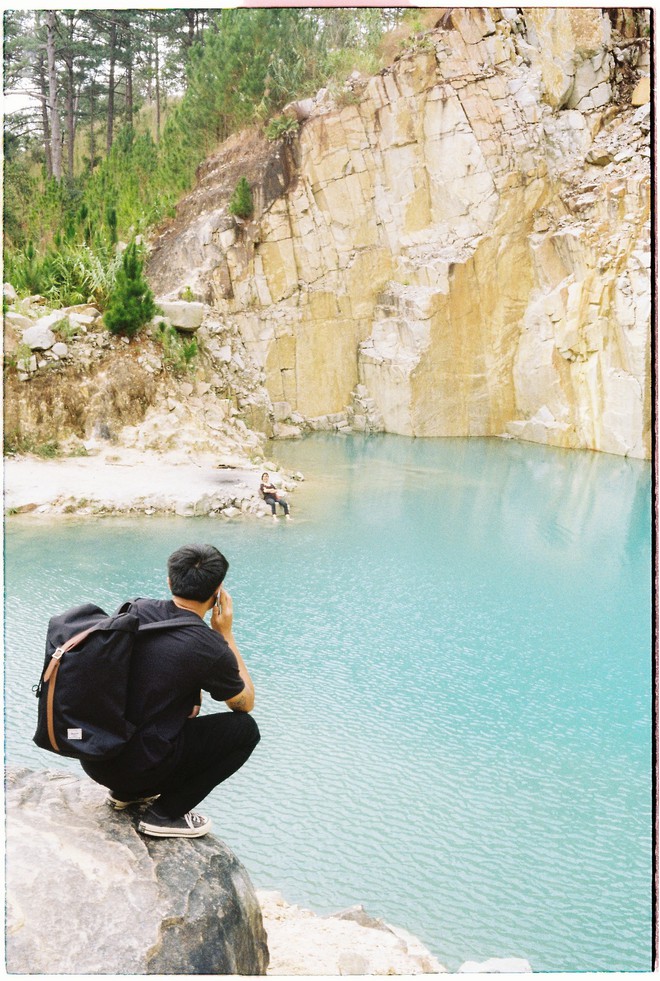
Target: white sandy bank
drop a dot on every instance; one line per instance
(131, 481)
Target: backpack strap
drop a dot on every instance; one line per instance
(128, 607)
(56, 656)
(166, 624)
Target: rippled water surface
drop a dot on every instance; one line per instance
(451, 645)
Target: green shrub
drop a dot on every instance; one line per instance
(47, 450)
(64, 330)
(178, 355)
(18, 442)
(282, 127)
(241, 203)
(72, 274)
(131, 303)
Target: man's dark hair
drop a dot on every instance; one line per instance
(195, 571)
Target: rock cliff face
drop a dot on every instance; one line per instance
(86, 894)
(461, 249)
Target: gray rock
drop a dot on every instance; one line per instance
(17, 320)
(642, 118)
(358, 914)
(87, 894)
(182, 314)
(27, 366)
(599, 157)
(282, 431)
(82, 319)
(60, 349)
(281, 411)
(39, 337)
(9, 293)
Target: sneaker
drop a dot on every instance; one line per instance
(189, 825)
(117, 804)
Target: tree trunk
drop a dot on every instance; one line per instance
(191, 18)
(92, 135)
(70, 92)
(42, 85)
(55, 126)
(129, 90)
(70, 119)
(45, 122)
(157, 67)
(111, 85)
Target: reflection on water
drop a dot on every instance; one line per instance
(451, 647)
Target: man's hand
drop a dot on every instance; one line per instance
(222, 619)
(196, 708)
(222, 616)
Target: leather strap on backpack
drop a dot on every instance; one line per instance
(56, 656)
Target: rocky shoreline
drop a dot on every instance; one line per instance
(351, 942)
(120, 481)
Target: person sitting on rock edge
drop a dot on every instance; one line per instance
(177, 757)
(271, 495)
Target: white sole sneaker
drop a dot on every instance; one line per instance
(190, 825)
(120, 805)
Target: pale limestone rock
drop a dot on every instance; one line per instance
(9, 293)
(18, 320)
(283, 431)
(82, 319)
(185, 316)
(351, 942)
(281, 411)
(485, 187)
(561, 40)
(39, 337)
(642, 93)
(27, 367)
(496, 965)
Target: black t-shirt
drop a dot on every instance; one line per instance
(168, 670)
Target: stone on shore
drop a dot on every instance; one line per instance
(87, 894)
(349, 942)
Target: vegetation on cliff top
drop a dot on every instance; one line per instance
(117, 109)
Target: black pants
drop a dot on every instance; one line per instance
(214, 747)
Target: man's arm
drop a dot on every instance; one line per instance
(221, 621)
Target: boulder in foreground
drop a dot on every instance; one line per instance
(87, 894)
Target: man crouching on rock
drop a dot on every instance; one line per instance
(176, 757)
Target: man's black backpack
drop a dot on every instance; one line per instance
(83, 690)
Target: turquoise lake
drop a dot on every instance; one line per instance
(451, 646)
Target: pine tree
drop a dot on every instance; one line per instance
(131, 303)
(241, 203)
